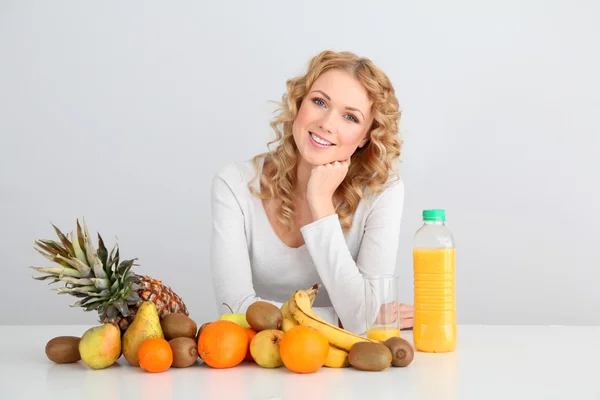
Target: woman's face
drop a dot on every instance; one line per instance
(333, 119)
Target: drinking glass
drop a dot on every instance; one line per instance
(381, 307)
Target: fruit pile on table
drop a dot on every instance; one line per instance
(149, 324)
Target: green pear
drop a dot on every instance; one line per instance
(100, 346)
(145, 325)
(239, 319)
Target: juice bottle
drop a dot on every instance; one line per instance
(434, 329)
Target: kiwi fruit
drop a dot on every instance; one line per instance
(370, 356)
(178, 325)
(402, 351)
(63, 349)
(185, 351)
(262, 316)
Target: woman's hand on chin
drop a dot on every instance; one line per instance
(323, 181)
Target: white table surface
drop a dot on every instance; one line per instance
(491, 362)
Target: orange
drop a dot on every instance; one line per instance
(303, 349)
(223, 344)
(251, 333)
(155, 355)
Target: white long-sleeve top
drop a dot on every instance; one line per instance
(249, 262)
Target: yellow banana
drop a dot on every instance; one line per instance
(301, 308)
(288, 324)
(285, 311)
(337, 358)
(312, 294)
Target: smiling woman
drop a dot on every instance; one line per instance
(324, 206)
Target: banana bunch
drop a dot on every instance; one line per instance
(298, 310)
(288, 319)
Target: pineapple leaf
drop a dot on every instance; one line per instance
(77, 264)
(80, 240)
(78, 303)
(116, 259)
(122, 307)
(92, 300)
(53, 258)
(101, 283)
(92, 256)
(111, 311)
(44, 277)
(103, 255)
(130, 281)
(132, 297)
(125, 267)
(91, 307)
(102, 311)
(46, 250)
(89, 290)
(76, 281)
(52, 247)
(115, 286)
(111, 261)
(58, 271)
(68, 245)
(79, 254)
(86, 301)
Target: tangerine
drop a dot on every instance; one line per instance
(223, 344)
(155, 355)
(251, 333)
(303, 349)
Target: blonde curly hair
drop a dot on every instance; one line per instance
(370, 165)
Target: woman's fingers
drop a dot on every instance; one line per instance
(406, 307)
(389, 313)
(407, 314)
(406, 323)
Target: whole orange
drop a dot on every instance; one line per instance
(303, 349)
(251, 333)
(223, 344)
(155, 355)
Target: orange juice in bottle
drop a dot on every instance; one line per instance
(434, 329)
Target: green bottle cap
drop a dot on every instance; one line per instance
(434, 215)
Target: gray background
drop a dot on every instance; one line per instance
(121, 112)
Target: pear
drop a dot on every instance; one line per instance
(239, 319)
(100, 346)
(145, 325)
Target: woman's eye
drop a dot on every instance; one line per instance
(352, 118)
(319, 102)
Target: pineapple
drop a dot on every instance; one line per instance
(101, 281)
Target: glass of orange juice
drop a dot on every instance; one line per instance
(381, 307)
